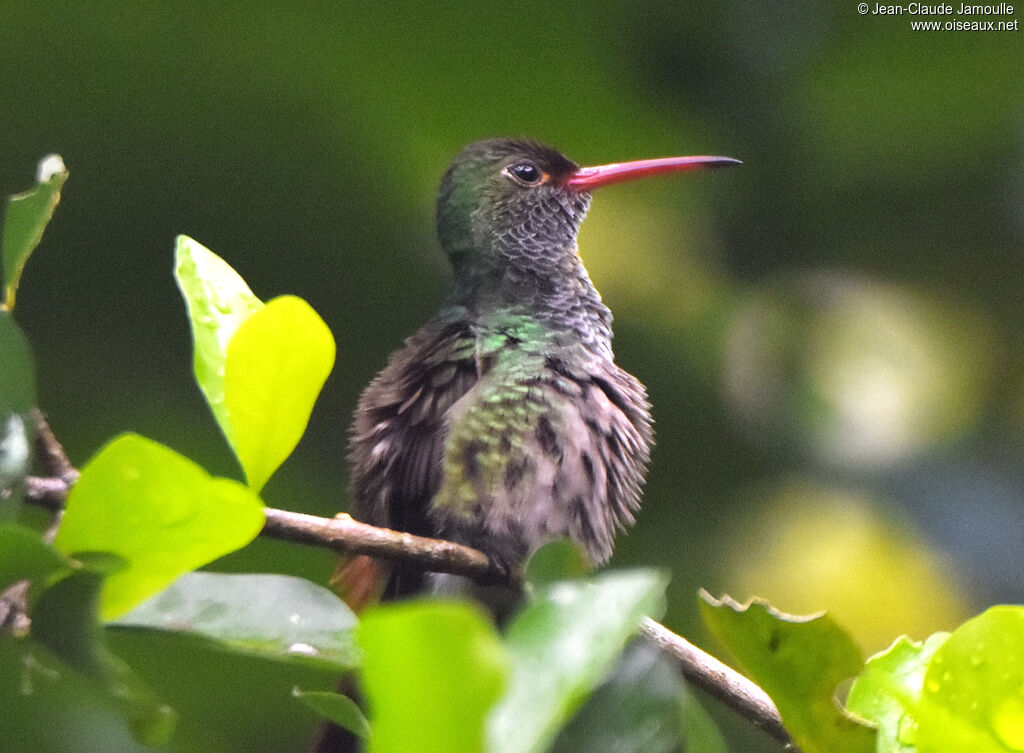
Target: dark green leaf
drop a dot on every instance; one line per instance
(700, 733)
(799, 661)
(559, 560)
(24, 556)
(636, 710)
(48, 707)
(431, 673)
(561, 646)
(17, 397)
(17, 375)
(269, 615)
(27, 217)
(339, 708)
(64, 620)
(159, 511)
(276, 364)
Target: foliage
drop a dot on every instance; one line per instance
(799, 662)
(436, 675)
(26, 218)
(952, 692)
(159, 512)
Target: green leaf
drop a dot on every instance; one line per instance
(276, 364)
(218, 301)
(558, 560)
(888, 691)
(27, 217)
(64, 621)
(700, 733)
(636, 710)
(159, 511)
(24, 556)
(973, 695)
(562, 645)
(17, 375)
(339, 708)
(955, 693)
(431, 672)
(17, 396)
(278, 616)
(260, 367)
(799, 661)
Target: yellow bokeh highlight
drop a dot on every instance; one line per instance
(645, 257)
(812, 547)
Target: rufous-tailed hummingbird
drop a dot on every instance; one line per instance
(504, 422)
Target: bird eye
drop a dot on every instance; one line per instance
(525, 173)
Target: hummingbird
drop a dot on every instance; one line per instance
(504, 422)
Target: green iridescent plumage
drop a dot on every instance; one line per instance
(504, 422)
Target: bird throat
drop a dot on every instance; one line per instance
(560, 298)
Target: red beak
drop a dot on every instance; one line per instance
(589, 178)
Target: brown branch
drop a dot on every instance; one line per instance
(343, 534)
(719, 680)
(51, 456)
(50, 452)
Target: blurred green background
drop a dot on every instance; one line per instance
(830, 334)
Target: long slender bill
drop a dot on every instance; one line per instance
(589, 178)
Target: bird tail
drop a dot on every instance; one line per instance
(360, 580)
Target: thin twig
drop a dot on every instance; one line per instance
(50, 493)
(50, 452)
(343, 534)
(54, 461)
(719, 680)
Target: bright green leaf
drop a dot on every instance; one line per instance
(279, 616)
(973, 695)
(339, 708)
(431, 672)
(159, 511)
(27, 217)
(888, 691)
(562, 645)
(277, 362)
(218, 301)
(64, 620)
(799, 661)
(24, 556)
(955, 693)
(636, 710)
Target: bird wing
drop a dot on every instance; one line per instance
(395, 447)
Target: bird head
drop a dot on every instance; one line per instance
(518, 204)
